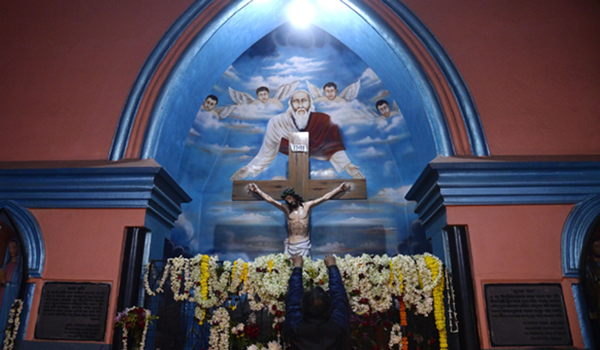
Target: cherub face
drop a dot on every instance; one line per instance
(263, 96)
(301, 103)
(209, 104)
(384, 109)
(330, 92)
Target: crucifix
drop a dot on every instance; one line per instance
(299, 178)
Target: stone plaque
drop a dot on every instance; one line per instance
(73, 311)
(527, 315)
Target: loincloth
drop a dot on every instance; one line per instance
(301, 248)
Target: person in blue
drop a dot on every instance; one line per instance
(314, 319)
(10, 281)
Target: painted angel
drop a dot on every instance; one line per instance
(210, 106)
(383, 107)
(263, 95)
(330, 92)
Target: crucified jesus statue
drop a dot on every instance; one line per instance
(297, 213)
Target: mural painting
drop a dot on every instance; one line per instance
(290, 80)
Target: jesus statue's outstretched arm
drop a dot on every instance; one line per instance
(254, 188)
(344, 186)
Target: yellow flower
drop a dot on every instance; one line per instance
(438, 301)
(233, 270)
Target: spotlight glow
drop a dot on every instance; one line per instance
(301, 13)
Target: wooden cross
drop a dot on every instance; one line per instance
(298, 172)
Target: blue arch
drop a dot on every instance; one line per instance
(30, 233)
(581, 220)
(211, 52)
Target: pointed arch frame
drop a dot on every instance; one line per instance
(31, 235)
(155, 127)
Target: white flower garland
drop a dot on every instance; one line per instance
(396, 337)
(180, 271)
(219, 332)
(144, 333)
(268, 278)
(15, 320)
(161, 283)
(272, 345)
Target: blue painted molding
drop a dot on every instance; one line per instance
(26, 312)
(31, 234)
(458, 86)
(125, 184)
(581, 220)
(503, 180)
(583, 316)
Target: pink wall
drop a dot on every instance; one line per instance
(516, 244)
(532, 70)
(84, 245)
(67, 67)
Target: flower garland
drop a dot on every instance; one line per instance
(180, 271)
(270, 287)
(130, 320)
(212, 283)
(396, 337)
(237, 275)
(12, 328)
(403, 322)
(438, 299)
(411, 272)
(161, 283)
(452, 314)
(371, 281)
(272, 345)
(219, 332)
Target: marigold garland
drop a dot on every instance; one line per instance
(403, 322)
(438, 299)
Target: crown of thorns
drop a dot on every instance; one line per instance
(288, 192)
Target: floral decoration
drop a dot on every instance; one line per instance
(373, 283)
(134, 323)
(12, 328)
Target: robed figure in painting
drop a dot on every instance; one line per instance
(325, 138)
(10, 281)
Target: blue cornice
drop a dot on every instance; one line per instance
(503, 180)
(124, 184)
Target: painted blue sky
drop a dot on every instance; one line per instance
(216, 148)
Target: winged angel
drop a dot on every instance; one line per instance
(383, 107)
(263, 95)
(210, 106)
(330, 92)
